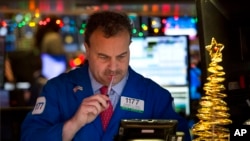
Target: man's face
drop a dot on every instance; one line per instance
(108, 56)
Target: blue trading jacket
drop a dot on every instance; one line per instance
(62, 102)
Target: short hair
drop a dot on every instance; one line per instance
(111, 23)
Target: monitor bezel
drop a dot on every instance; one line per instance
(161, 129)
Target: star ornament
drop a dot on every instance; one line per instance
(214, 47)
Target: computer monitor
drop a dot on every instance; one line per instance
(53, 65)
(147, 129)
(164, 59)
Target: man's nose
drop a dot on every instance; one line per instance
(113, 64)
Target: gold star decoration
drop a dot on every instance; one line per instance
(215, 50)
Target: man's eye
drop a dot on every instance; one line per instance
(121, 57)
(103, 57)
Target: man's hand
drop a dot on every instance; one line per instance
(89, 109)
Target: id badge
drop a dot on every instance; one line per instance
(132, 104)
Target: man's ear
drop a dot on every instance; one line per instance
(86, 49)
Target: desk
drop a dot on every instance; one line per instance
(11, 120)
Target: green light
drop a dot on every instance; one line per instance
(144, 27)
(83, 25)
(19, 25)
(194, 20)
(23, 23)
(27, 19)
(140, 34)
(81, 31)
(134, 31)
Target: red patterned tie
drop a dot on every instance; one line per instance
(106, 115)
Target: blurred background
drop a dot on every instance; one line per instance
(40, 39)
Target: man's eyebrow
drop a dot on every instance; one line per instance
(124, 53)
(102, 54)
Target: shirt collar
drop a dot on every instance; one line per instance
(118, 88)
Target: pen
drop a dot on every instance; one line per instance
(110, 85)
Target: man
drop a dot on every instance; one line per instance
(70, 106)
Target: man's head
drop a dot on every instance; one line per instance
(107, 40)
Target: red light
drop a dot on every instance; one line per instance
(215, 48)
(47, 19)
(176, 18)
(163, 30)
(4, 24)
(42, 22)
(166, 8)
(59, 22)
(71, 63)
(164, 21)
(59, 6)
(105, 7)
(77, 61)
(82, 57)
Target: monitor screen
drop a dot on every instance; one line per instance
(164, 59)
(53, 65)
(147, 129)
